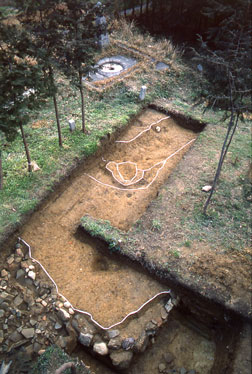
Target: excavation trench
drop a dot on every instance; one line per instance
(86, 278)
(118, 186)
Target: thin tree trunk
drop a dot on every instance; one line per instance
(1, 171)
(82, 103)
(56, 107)
(141, 7)
(26, 148)
(147, 7)
(224, 150)
(57, 119)
(133, 9)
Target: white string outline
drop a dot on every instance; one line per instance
(142, 170)
(126, 182)
(83, 311)
(147, 129)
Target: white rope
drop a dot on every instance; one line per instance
(147, 129)
(83, 311)
(126, 182)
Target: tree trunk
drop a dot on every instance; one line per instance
(26, 148)
(82, 103)
(133, 9)
(1, 171)
(147, 7)
(55, 107)
(141, 8)
(224, 150)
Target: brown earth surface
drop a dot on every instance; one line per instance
(86, 276)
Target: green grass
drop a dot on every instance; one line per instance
(22, 190)
(103, 230)
(105, 112)
(228, 217)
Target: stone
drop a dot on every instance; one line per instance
(33, 322)
(200, 68)
(6, 296)
(191, 372)
(161, 367)
(41, 352)
(168, 306)
(142, 342)
(85, 339)
(4, 273)
(57, 326)
(44, 303)
(15, 336)
(112, 334)
(128, 343)
(72, 125)
(4, 305)
(206, 188)
(161, 66)
(18, 300)
(71, 311)
(151, 329)
(115, 343)
(62, 342)
(63, 315)
(20, 273)
(10, 260)
(28, 333)
(142, 92)
(36, 347)
(182, 371)
(32, 275)
(164, 314)
(121, 360)
(101, 348)
(35, 166)
(19, 252)
(1, 336)
(2, 313)
(168, 357)
(67, 305)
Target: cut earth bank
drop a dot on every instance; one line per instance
(145, 244)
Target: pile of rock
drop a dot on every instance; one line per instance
(33, 316)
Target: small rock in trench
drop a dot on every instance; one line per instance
(101, 348)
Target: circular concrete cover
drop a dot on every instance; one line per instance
(111, 67)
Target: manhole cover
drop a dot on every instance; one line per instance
(111, 67)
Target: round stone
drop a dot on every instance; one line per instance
(101, 348)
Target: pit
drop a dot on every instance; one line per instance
(168, 332)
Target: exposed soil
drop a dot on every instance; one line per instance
(108, 287)
(80, 270)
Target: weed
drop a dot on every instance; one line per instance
(156, 225)
(187, 244)
(175, 253)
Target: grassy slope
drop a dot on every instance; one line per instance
(111, 109)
